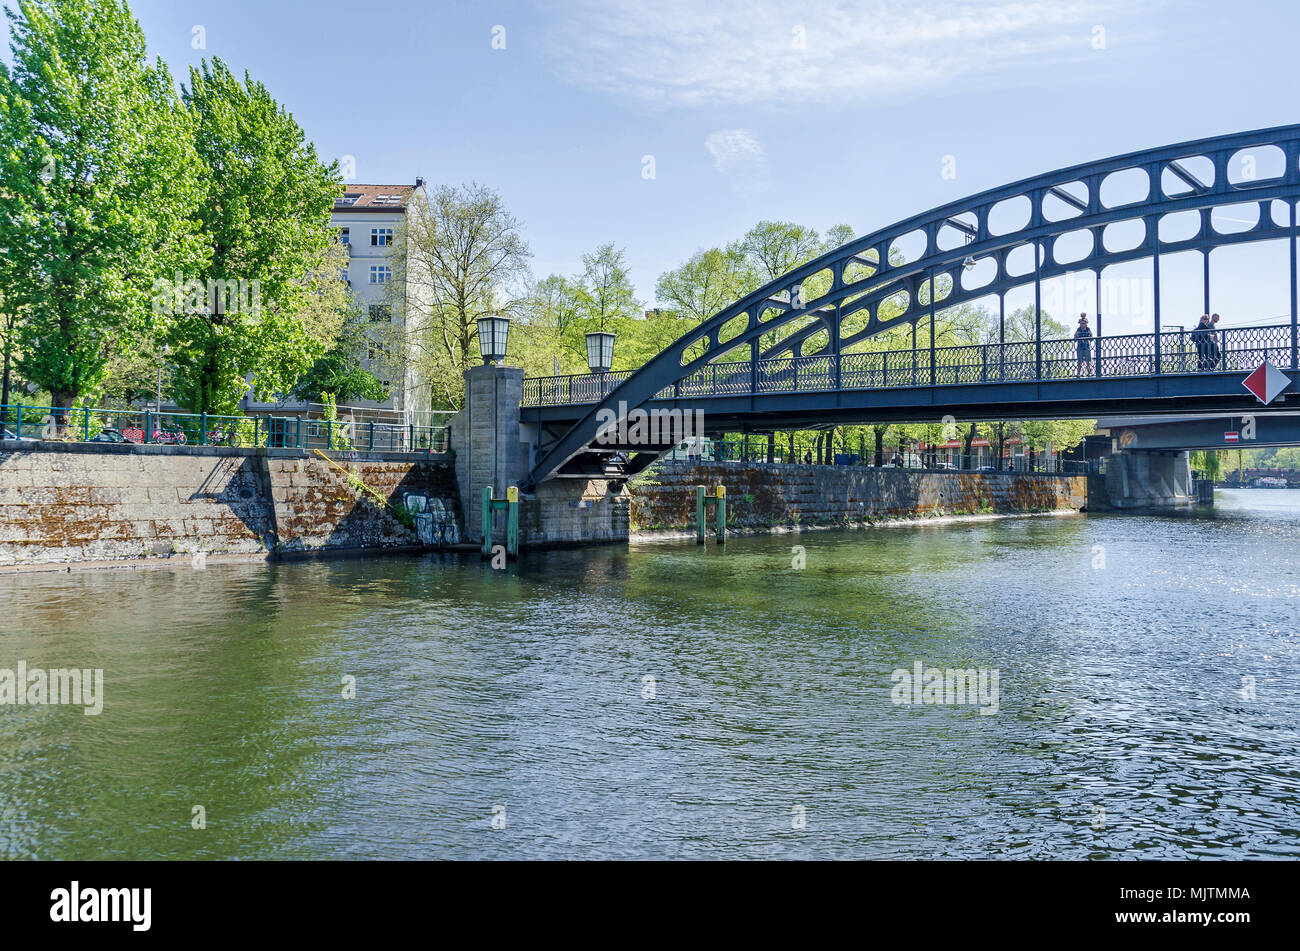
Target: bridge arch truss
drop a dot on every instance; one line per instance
(865, 287)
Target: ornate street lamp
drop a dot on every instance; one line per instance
(493, 333)
(600, 351)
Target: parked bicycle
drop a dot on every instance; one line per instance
(167, 437)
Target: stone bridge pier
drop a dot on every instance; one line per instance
(494, 448)
(1143, 479)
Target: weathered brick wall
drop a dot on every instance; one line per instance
(101, 503)
(760, 497)
(316, 508)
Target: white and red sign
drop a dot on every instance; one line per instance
(1266, 382)
(1231, 436)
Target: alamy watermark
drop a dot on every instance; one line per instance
(213, 296)
(949, 686)
(78, 903)
(58, 686)
(640, 427)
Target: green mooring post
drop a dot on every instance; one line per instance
(699, 515)
(722, 514)
(703, 502)
(510, 505)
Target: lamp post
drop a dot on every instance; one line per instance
(161, 363)
(600, 351)
(493, 335)
(600, 355)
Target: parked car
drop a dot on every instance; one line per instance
(987, 469)
(9, 434)
(108, 435)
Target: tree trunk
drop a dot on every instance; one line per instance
(4, 388)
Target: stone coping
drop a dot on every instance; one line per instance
(153, 449)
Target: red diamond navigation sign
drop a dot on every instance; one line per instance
(1266, 382)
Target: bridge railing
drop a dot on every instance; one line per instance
(1230, 350)
(29, 424)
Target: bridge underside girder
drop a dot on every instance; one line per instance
(1260, 430)
(1086, 398)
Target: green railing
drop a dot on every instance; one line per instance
(147, 427)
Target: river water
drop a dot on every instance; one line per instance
(667, 701)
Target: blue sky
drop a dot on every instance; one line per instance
(820, 112)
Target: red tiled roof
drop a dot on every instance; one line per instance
(374, 197)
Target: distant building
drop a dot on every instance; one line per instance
(369, 221)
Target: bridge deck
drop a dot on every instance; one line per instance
(1171, 374)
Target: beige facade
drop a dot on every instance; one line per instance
(369, 220)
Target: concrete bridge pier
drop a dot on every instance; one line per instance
(1141, 479)
(494, 448)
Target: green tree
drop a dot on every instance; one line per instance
(605, 295)
(1209, 463)
(560, 311)
(8, 327)
(547, 313)
(703, 285)
(1020, 326)
(265, 218)
(773, 248)
(338, 376)
(465, 258)
(98, 186)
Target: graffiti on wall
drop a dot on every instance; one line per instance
(435, 522)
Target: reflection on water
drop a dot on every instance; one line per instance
(1123, 728)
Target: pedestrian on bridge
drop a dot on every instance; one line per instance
(1207, 348)
(1083, 347)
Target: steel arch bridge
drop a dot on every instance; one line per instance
(989, 244)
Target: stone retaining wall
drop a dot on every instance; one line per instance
(71, 503)
(761, 497)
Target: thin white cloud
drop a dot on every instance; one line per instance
(741, 159)
(737, 52)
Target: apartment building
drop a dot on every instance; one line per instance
(369, 221)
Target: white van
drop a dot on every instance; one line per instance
(694, 449)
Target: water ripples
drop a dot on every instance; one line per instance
(1124, 727)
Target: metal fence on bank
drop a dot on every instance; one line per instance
(147, 427)
(737, 451)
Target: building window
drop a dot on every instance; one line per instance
(378, 351)
(381, 237)
(345, 235)
(381, 313)
(351, 198)
(388, 200)
(380, 274)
